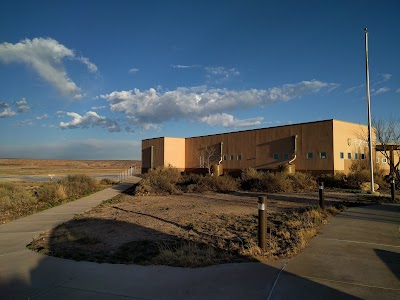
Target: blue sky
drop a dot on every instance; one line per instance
(91, 79)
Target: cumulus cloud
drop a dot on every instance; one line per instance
(227, 120)
(42, 117)
(151, 107)
(90, 119)
(7, 111)
(22, 105)
(381, 90)
(45, 56)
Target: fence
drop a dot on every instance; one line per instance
(125, 174)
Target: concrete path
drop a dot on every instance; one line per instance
(355, 256)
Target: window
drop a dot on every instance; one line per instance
(230, 157)
(349, 155)
(224, 156)
(309, 155)
(239, 157)
(362, 156)
(322, 155)
(276, 156)
(286, 156)
(355, 155)
(384, 160)
(377, 160)
(341, 155)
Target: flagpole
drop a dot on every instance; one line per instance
(371, 162)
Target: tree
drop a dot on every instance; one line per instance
(210, 157)
(388, 142)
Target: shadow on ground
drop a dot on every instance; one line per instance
(83, 242)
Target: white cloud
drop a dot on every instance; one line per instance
(220, 74)
(384, 78)
(381, 90)
(7, 111)
(60, 114)
(25, 123)
(45, 56)
(91, 66)
(185, 66)
(90, 119)
(42, 117)
(22, 105)
(98, 107)
(151, 107)
(134, 70)
(352, 89)
(227, 120)
(398, 91)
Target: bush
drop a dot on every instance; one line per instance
(50, 192)
(338, 180)
(215, 184)
(78, 185)
(253, 180)
(12, 196)
(161, 180)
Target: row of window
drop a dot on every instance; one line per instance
(350, 156)
(310, 155)
(232, 157)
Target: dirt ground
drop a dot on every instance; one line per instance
(188, 230)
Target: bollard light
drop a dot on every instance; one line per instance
(262, 222)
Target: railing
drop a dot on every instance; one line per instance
(127, 173)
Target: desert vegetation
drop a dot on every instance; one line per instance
(191, 220)
(19, 199)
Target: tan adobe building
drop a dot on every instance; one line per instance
(328, 146)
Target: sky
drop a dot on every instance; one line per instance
(92, 79)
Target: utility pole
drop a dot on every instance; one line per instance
(371, 162)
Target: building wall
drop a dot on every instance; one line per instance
(257, 147)
(174, 152)
(152, 152)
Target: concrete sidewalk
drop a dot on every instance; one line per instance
(355, 256)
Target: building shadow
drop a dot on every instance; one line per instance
(78, 249)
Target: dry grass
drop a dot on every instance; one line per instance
(191, 230)
(20, 167)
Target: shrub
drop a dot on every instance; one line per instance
(78, 185)
(280, 182)
(302, 181)
(338, 180)
(215, 184)
(107, 181)
(12, 196)
(50, 192)
(161, 180)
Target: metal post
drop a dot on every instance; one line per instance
(321, 195)
(392, 188)
(262, 222)
(371, 162)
